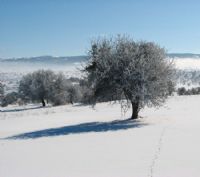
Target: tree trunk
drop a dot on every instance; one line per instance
(71, 99)
(135, 110)
(43, 103)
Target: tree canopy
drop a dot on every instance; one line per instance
(122, 69)
(44, 85)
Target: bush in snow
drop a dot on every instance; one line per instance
(192, 91)
(86, 92)
(181, 91)
(137, 71)
(10, 98)
(1, 91)
(195, 91)
(58, 91)
(74, 93)
(64, 91)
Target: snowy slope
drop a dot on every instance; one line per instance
(78, 141)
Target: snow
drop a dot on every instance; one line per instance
(187, 63)
(79, 141)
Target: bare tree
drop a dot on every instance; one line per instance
(135, 71)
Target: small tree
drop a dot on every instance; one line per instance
(46, 86)
(58, 94)
(86, 92)
(36, 86)
(137, 71)
(73, 93)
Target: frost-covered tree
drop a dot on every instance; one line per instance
(74, 94)
(45, 85)
(86, 92)
(58, 94)
(137, 72)
(36, 86)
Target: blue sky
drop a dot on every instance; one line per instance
(65, 27)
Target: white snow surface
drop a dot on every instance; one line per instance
(187, 63)
(79, 141)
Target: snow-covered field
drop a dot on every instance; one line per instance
(187, 63)
(78, 141)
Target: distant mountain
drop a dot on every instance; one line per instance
(183, 55)
(77, 59)
(21, 65)
(48, 59)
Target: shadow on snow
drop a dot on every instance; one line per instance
(23, 109)
(81, 128)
